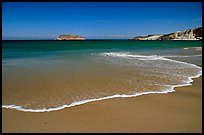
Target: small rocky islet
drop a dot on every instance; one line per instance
(69, 37)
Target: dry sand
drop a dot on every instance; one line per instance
(180, 111)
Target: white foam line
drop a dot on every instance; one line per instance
(170, 89)
(20, 108)
(127, 55)
(183, 56)
(192, 47)
(150, 57)
(145, 57)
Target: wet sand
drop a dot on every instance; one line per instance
(180, 111)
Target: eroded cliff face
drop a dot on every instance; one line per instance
(149, 37)
(191, 34)
(69, 37)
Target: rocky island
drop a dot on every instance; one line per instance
(69, 37)
(190, 34)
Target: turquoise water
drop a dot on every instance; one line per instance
(40, 76)
(23, 49)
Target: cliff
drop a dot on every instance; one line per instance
(148, 37)
(69, 37)
(191, 34)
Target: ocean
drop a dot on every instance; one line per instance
(43, 76)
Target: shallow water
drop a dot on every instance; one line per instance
(41, 76)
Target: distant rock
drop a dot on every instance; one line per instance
(69, 37)
(191, 34)
(148, 37)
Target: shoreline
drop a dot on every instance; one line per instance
(81, 102)
(174, 112)
(77, 103)
(180, 111)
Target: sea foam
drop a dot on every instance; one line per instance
(169, 88)
(196, 48)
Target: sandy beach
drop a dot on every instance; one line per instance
(176, 112)
(180, 111)
(101, 67)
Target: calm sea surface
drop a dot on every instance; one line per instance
(41, 76)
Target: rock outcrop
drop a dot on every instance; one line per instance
(69, 37)
(148, 37)
(191, 34)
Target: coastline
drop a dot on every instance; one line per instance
(180, 111)
(103, 67)
(76, 103)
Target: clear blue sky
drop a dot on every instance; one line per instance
(103, 20)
